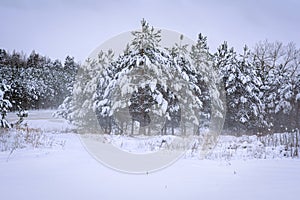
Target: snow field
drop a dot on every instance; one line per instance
(71, 173)
(68, 171)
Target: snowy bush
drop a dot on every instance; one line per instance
(25, 137)
(279, 145)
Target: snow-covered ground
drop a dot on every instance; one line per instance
(67, 171)
(44, 120)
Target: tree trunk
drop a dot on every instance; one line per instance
(132, 127)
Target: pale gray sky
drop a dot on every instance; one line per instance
(58, 28)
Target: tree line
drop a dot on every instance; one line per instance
(34, 81)
(261, 85)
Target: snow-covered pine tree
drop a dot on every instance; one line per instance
(15, 81)
(61, 80)
(205, 76)
(102, 80)
(80, 104)
(278, 65)
(37, 81)
(225, 62)
(79, 108)
(250, 110)
(5, 105)
(180, 55)
(129, 91)
(58, 81)
(244, 112)
(70, 70)
(287, 73)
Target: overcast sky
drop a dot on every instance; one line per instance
(58, 28)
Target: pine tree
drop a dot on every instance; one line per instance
(104, 76)
(278, 66)
(69, 70)
(80, 106)
(226, 62)
(250, 109)
(241, 84)
(5, 105)
(202, 60)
